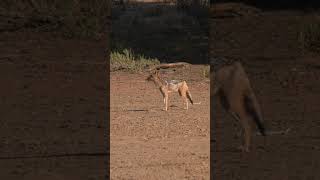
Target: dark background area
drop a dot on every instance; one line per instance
(170, 33)
(276, 4)
(279, 49)
(53, 102)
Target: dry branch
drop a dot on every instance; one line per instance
(168, 65)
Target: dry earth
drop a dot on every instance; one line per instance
(149, 143)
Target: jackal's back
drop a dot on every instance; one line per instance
(174, 85)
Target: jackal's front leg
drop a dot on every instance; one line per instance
(165, 100)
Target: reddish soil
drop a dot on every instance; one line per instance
(149, 143)
(286, 82)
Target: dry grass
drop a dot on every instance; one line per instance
(128, 61)
(206, 71)
(309, 37)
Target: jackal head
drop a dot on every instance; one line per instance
(153, 76)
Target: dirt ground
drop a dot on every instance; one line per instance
(286, 82)
(53, 107)
(149, 143)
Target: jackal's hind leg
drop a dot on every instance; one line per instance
(185, 101)
(185, 105)
(236, 117)
(215, 90)
(247, 134)
(243, 119)
(183, 94)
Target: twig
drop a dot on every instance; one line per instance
(169, 65)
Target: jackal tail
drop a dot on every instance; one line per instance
(189, 97)
(253, 108)
(196, 102)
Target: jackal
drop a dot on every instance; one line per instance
(230, 83)
(167, 87)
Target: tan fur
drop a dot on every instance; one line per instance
(167, 87)
(232, 85)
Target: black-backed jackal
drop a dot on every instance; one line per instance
(230, 83)
(166, 87)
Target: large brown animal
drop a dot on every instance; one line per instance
(230, 83)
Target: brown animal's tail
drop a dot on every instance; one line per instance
(189, 97)
(253, 108)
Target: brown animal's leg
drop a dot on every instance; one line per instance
(247, 133)
(185, 101)
(254, 110)
(166, 104)
(165, 95)
(183, 94)
(235, 116)
(238, 86)
(233, 86)
(238, 112)
(215, 90)
(242, 118)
